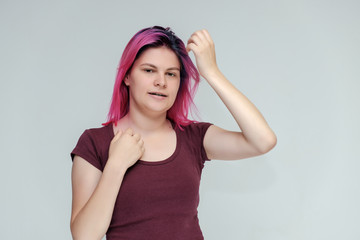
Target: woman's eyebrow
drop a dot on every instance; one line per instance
(148, 64)
(153, 66)
(174, 68)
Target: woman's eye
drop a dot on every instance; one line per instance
(172, 74)
(148, 70)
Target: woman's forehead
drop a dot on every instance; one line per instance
(159, 57)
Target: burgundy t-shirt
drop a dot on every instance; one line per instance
(157, 200)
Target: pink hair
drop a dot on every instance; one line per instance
(155, 37)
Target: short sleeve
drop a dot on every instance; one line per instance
(86, 149)
(202, 128)
(196, 133)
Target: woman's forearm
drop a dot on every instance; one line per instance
(249, 119)
(94, 218)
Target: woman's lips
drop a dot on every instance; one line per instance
(158, 94)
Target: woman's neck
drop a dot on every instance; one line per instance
(143, 124)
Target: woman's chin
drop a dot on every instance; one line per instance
(157, 109)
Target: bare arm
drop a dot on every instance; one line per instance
(94, 193)
(255, 136)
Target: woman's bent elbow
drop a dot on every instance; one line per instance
(77, 234)
(268, 144)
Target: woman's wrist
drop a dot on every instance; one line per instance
(116, 168)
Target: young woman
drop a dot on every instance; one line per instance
(138, 176)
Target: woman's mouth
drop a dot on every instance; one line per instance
(157, 94)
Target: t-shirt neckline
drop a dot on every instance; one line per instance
(160, 162)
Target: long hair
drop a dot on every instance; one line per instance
(151, 38)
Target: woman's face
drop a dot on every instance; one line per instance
(154, 81)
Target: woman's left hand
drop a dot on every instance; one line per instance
(203, 48)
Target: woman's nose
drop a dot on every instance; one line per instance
(160, 80)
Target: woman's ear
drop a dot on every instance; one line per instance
(126, 80)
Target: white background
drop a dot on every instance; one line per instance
(298, 61)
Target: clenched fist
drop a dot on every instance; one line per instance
(126, 148)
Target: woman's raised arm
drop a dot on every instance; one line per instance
(255, 136)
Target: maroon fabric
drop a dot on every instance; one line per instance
(157, 200)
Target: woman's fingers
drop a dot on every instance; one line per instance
(195, 39)
(126, 147)
(207, 35)
(199, 38)
(117, 135)
(142, 147)
(202, 45)
(129, 131)
(190, 47)
(137, 136)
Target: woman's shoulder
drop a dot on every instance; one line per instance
(97, 136)
(93, 145)
(196, 129)
(197, 126)
(100, 132)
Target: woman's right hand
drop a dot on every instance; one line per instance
(126, 148)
